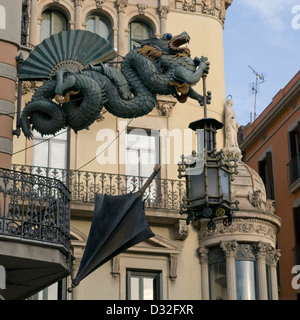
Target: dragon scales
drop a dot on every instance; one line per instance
(75, 99)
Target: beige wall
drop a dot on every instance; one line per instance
(206, 40)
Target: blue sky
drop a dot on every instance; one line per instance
(264, 34)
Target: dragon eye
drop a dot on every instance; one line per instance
(169, 36)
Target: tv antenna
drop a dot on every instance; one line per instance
(259, 79)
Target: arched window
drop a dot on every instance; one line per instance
(52, 22)
(100, 25)
(138, 30)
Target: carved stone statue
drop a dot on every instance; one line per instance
(231, 149)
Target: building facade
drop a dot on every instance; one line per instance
(116, 156)
(270, 146)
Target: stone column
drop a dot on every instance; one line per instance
(261, 250)
(229, 248)
(274, 258)
(203, 253)
(78, 13)
(121, 6)
(163, 12)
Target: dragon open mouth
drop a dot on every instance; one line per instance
(176, 43)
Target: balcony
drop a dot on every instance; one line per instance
(162, 199)
(34, 232)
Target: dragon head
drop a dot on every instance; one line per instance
(168, 44)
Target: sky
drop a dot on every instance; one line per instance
(265, 35)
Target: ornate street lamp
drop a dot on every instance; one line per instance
(208, 177)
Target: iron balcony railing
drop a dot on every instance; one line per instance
(34, 207)
(83, 185)
(294, 169)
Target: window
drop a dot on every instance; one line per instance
(217, 274)
(52, 22)
(245, 280)
(50, 153)
(138, 30)
(294, 164)
(57, 291)
(266, 173)
(142, 152)
(100, 25)
(144, 285)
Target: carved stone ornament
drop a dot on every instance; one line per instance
(262, 249)
(163, 11)
(142, 8)
(254, 227)
(99, 3)
(173, 267)
(115, 266)
(274, 256)
(203, 254)
(229, 248)
(189, 5)
(121, 5)
(78, 3)
(257, 200)
(182, 230)
(208, 7)
(165, 107)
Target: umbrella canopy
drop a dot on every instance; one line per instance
(118, 223)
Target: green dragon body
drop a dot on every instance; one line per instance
(75, 99)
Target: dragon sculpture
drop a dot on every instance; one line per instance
(75, 98)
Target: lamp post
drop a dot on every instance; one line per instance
(208, 176)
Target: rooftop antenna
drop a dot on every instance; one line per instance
(254, 87)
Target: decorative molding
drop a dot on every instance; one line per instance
(189, 5)
(142, 8)
(182, 230)
(115, 266)
(163, 12)
(262, 249)
(203, 254)
(78, 3)
(229, 248)
(99, 3)
(173, 259)
(207, 7)
(121, 5)
(274, 256)
(165, 107)
(257, 200)
(251, 226)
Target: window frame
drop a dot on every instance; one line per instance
(141, 274)
(51, 11)
(150, 29)
(101, 17)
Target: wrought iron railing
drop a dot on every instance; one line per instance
(83, 185)
(34, 207)
(294, 169)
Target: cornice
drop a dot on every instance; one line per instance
(271, 115)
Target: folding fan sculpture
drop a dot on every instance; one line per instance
(78, 83)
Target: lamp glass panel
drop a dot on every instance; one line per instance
(225, 184)
(212, 182)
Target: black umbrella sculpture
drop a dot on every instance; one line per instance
(118, 223)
